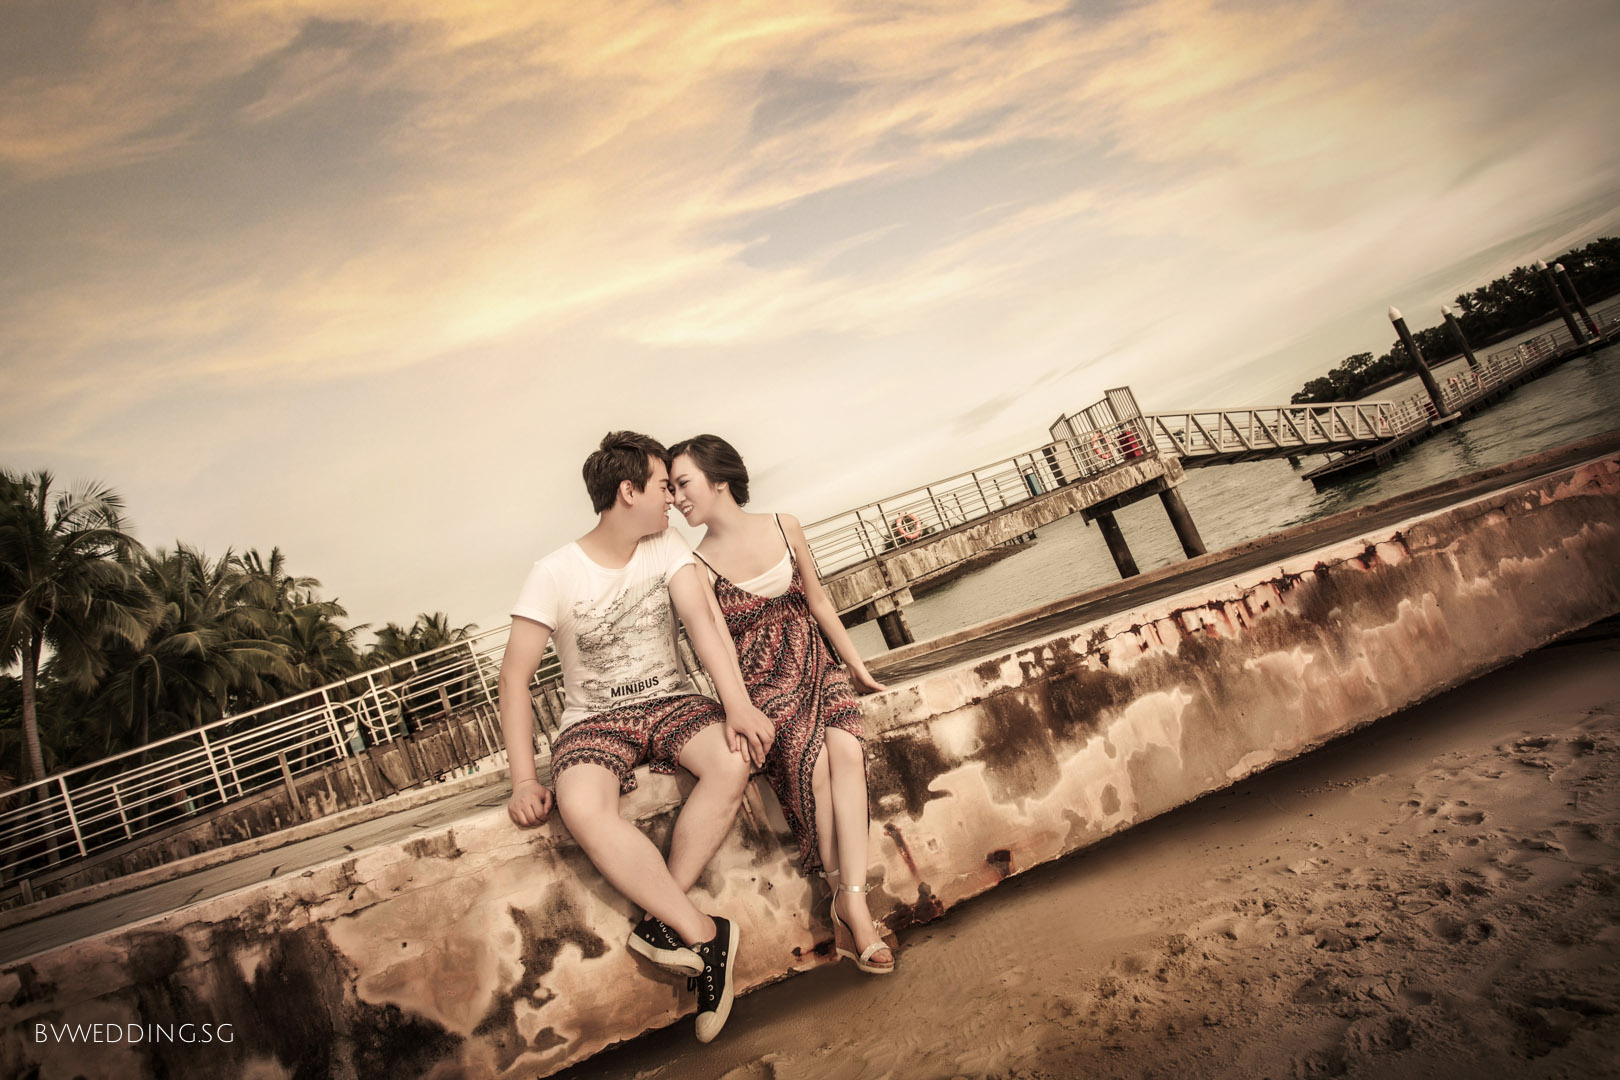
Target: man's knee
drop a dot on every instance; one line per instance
(710, 758)
(729, 772)
(586, 793)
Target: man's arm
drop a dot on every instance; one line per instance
(748, 730)
(531, 801)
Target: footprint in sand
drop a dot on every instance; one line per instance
(1461, 932)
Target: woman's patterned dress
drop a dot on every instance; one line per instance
(795, 679)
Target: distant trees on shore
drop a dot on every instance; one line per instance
(1506, 306)
(115, 645)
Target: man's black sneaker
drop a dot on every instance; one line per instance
(714, 984)
(664, 947)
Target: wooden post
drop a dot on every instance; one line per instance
(1580, 306)
(1563, 306)
(1457, 335)
(292, 788)
(1423, 372)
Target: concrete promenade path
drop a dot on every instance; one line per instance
(249, 869)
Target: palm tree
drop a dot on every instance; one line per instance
(206, 645)
(427, 633)
(67, 580)
(317, 649)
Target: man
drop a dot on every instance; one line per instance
(605, 600)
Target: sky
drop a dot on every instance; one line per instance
(367, 281)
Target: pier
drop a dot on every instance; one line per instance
(1102, 458)
(473, 948)
(1475, 388)
(1111, 454)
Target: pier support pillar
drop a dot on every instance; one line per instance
(1181, 521)
(1580, 305)
(1422, 367)
(1116, 545)
(1458, 336)
(895, 631)
(1563, 305)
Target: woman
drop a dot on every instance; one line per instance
(769, 596)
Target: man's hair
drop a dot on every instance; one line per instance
(719, 461)
(623, 455)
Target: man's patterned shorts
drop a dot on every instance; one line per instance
(649, 732)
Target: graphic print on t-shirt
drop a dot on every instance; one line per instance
(626, 648)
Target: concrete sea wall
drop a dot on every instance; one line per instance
(482, 950)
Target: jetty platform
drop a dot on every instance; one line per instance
(470, 948)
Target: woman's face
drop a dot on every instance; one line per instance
(694, 495)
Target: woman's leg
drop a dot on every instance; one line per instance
(847, 773)
(826, 831)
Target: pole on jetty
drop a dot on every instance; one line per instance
(1458, 335)
(895, 631)
(1423, 371)
(1181, 521)
(1563, 306)
(1580, 306)
(1117, 547)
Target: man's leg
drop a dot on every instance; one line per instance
(588, 799)
(709, 811)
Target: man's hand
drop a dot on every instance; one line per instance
(530, 803)
(750, 732)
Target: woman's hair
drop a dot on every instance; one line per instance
(719, 461)
(623, 455)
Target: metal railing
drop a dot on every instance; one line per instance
(1270, 432)
(854, 536)
(108, 803)
(1509, 365)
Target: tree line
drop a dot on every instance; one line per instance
(1508, 305)
(116, 645)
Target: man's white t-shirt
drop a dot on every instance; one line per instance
(614, 630)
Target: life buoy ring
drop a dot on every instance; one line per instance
(908, 526)
(1100, 448)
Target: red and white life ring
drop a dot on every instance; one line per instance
(1100, 447)
(908, 526)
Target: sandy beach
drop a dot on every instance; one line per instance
(1435, 896)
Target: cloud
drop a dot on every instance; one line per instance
(869, 240)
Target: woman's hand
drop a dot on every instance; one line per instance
(864, 683)
(530, 803)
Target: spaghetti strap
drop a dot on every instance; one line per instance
(778, 519)
(712, 571)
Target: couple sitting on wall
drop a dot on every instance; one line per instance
(755, 613)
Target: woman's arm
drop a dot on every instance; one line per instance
(719, 616)
(825, 615)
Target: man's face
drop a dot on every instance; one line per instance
(652, 503)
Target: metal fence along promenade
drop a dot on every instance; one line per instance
(109, 803)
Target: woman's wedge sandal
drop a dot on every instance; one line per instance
(863, 959)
